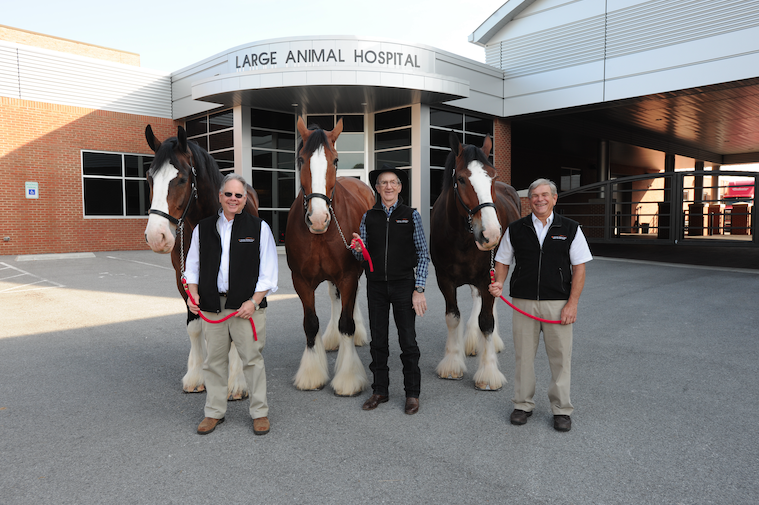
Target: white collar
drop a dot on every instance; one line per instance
(536, 220)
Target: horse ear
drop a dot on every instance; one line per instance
(182, 138)
(454, 142)
(302, 129)
(153, 142)
(487, 145)
(336, 132)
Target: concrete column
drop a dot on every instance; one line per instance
(698, 183)
(243, 148)
(604, 165)
(420, 163)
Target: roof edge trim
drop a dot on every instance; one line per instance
(500, 18)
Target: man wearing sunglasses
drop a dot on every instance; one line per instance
(231, 266)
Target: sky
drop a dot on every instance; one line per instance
(170, 35)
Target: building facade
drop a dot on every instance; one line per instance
(584, 92)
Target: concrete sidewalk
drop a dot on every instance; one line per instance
(92, 351)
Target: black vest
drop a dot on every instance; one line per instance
(390, 242)
(542, 273)
(244, 259)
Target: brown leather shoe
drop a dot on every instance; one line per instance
(519, 417)
(412, 405)
(562, 423)
(261, 426)
(374, 401)
(208, 424)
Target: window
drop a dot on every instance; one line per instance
(570, 178)
(469, 129)
(215, 134)
(273, 142)
(350, 143)
(392, 143)
(114, 184)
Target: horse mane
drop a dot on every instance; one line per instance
(205, 165)
(470, 153)
(316, 139)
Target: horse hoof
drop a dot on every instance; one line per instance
(486, 387)
(450, 377)
(198, 389)
(237, 397)
(347, 396)
(315, 389)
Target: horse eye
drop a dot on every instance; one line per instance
(462, 180)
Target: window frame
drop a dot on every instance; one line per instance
(123, 178)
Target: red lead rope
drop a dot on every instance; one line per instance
(364, 252)
(204, 318)
(492, 279)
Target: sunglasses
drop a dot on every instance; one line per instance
(229, 195)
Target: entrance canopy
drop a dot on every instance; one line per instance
(325, 75)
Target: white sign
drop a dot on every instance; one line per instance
(326, 52)
(32, 189)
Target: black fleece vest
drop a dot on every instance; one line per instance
(542, 273)
(390, 241)
(244, 259)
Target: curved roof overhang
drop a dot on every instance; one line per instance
(323, 90)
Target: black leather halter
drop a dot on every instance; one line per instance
(308, 197)
(193, 196)
(470, 212)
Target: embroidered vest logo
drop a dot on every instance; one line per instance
(246, 239)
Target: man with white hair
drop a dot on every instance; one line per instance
(550, 252)
(231, 266)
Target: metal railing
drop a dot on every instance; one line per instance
(668, 207)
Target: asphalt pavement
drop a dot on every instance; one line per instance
(93, 349)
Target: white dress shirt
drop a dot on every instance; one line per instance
(268, 270)
(579, 252)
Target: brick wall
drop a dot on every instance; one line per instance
(502, 149)
(41, 142)
(526, 207)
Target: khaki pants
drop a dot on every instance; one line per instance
(558, 342)
(216, 367)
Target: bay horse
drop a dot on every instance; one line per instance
(184, 185)
(317, 251)
(466, 225)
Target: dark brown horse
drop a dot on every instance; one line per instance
(317, 251)
(184, 185)
(466, 225)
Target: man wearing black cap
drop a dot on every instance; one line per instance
(394, 237)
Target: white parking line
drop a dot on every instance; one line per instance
(140, 263)
(18, 288)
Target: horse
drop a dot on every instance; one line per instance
(466, 224)
(317, 251)
(184, 185)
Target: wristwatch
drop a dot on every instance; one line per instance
(255, 305)
(419, 289)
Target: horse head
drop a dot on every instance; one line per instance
(317, 160)
(473, 183)
(173, 186)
